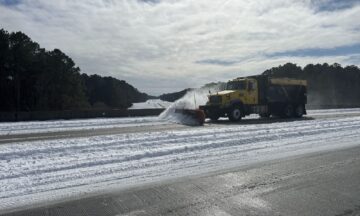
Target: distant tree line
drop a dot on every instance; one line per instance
(34, 79)
(328, 85)
(171, 97)
(105, 92)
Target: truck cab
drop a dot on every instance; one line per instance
(246, 89)
(238, 92)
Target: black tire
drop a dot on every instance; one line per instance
(235, 114)
(299, 111)
(288, 111)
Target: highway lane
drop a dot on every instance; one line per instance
(24, 137)
(4, 139)
(323, 183)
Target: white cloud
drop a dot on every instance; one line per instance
(156, 45)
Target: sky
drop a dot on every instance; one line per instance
(162, 46)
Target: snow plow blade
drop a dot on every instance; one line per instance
(197, 115)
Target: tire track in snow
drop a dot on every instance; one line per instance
(33, 127)
(36, 127)
(197, 143)
(155, 138)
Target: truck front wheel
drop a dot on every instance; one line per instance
(235, 114)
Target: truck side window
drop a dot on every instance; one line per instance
(250, 86)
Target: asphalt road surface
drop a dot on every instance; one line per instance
(326, 183)
(321, 183)
(4, 139)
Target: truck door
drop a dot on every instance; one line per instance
(253, 92)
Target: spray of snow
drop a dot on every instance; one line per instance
(190, 101)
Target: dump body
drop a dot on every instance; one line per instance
(262, 95)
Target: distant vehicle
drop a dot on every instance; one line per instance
(261, 95)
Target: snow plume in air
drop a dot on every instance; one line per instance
(190, 101)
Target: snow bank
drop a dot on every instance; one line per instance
(151, 104)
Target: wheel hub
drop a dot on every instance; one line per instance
(236, 113)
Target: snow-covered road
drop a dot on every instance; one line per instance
(37, 172)
(33, 127)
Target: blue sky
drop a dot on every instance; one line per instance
(10, 2)
(321, 52)
(333, 5)
(168, 45)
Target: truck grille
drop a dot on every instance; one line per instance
(215, 99)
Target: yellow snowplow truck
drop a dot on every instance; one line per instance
(261, 95)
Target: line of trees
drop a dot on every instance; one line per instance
(33, 79)
(171, 97)
(105, 92)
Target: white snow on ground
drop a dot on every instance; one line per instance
(71, 125)
(31, 127)
(333, 111)
(41, 171)
(151, 104)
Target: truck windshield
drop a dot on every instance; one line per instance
(238, 85)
